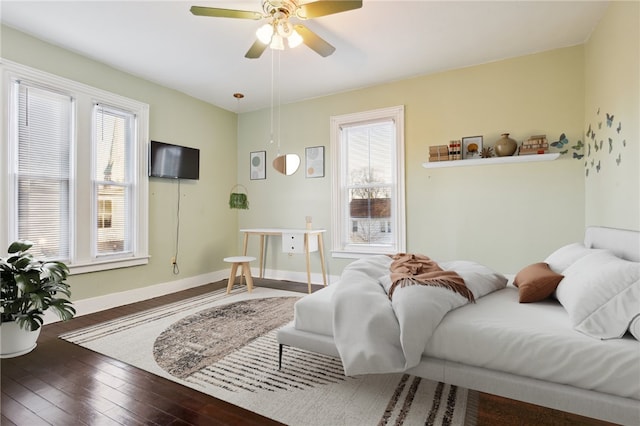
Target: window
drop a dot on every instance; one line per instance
(368, 185)
(42, 174)
(113, 183)
(76, 169)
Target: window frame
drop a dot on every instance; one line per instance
(83, 258)
(128, 185)
(340, 219)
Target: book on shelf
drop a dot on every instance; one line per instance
(526, 151)
(439, 153)
(439, 149)
(536, 144)
(455, 150)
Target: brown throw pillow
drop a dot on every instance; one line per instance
(536, 282)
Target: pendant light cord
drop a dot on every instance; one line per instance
(272, 78)
(275, 85)
(279, 100)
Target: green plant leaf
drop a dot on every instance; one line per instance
(20, 245)
(29, 322)
(30, 286)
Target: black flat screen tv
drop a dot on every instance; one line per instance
(173, 161)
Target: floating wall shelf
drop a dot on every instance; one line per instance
(492, 160)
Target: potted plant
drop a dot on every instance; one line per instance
(28, 288)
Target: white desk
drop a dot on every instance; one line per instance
(305, 233)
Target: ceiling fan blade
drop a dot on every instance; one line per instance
(225, 13)
(314, 41)
(256, 49)
(326, 7)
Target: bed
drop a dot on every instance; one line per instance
(557, 352)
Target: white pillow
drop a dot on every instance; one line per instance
(565, 256)
(634, 327)
(601, 293)
(478, 278)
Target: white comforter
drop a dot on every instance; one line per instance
(376, 335)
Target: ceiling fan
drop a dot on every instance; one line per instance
(279, 28)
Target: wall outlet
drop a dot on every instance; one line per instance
(173, 260)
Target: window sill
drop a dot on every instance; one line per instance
(355, 255)
(104, 265)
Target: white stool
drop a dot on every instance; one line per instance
(245, 270)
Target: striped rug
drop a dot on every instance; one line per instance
(225, 346)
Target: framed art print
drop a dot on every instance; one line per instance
(314, 161)
(471, 147)
(257, 165)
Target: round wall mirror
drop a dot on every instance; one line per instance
(287, 164)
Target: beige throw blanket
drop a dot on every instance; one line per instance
(411, 269)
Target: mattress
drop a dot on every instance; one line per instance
(527, 339)
(536, 340)
(314, 313)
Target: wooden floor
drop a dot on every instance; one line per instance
(60, 383)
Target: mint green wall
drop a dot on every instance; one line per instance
(506, 216)
(208, 228)
(612, 86)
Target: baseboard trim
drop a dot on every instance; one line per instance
(113, 300)
(300, 277)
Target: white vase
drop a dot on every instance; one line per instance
(15, 341)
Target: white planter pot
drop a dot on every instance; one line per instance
(15, 341)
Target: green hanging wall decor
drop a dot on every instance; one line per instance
(238, 200)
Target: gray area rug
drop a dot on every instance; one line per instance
(225, 346)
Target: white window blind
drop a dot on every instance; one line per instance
(369, 181)
(113, 179)
(42, 176)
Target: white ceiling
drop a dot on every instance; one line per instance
(163, 42)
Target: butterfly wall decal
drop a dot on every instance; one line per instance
(578, 156)
(600, 125)
(610, 145)
(564, 152)
(562, 141)
(577, 146)
(600, 143)
(593, 136)
(619, 127)
(619, 159)
(598, 167)
(609, 119)
(624, 142)
(589, 131)
(589, 151)
(595, 146)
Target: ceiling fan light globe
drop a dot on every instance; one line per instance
(294, 39)
(276, 42)
(284, 28)
(264, 33)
